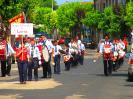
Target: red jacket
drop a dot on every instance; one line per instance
(125, 42)
(22, 54)
(3, 50)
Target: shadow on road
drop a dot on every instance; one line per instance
(129, 85)
(113, 75)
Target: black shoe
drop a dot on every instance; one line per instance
(43, 77)
(29, 79)
(21, 82)
(8, 74)
(24, 82)
(36, 79)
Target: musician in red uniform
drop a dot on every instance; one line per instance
(22, 55)
(5, 57)
(106, 49)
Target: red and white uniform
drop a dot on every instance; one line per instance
(22, 54)
(106, 49)
(3, 50)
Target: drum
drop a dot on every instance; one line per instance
(121, 54)
(67, 58)
(46, 55)
(115, 53)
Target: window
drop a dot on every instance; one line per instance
(109, 2)
(123, 2)
(106, 3)
(112, 2)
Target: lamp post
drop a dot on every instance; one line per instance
(52, 5)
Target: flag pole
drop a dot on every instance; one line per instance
(22, 35)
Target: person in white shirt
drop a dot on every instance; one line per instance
(57, 56)
(67, 58)
(70, 43)
(106, 49)
(46, 66)
(9, 53)
(121, 52)
(34, 60)
(121, 45)
(27, 44)
(81, 53)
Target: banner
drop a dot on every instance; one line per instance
(17, 19)
(21, 29)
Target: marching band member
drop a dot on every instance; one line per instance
(125, 41)
(106, 49)
(115, 55)
(34, 60)
(67, 58)
(81, 53)
(6, 51)
(57, 56)
(121, 52)
(75, 55)
(27, 44)
(22, 57)
(9, 53)
(47, 44)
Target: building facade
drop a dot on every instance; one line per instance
(101, 4)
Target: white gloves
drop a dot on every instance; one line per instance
(40, 62)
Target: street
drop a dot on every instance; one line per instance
(81, 82)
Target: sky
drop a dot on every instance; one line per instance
(62, 1)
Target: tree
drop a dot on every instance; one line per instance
(10, 8)
(66, 18)
(38, 15)
(70, 17)
(91, 20)
(129, 15)
(50, 21)
(110, 22)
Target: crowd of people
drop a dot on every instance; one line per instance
(32, 53)
(113, 54)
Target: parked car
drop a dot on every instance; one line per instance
(89, 43)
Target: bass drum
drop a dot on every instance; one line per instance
(46, 55)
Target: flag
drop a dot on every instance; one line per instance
(20, 18)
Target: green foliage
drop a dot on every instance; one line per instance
(50, 21)
(10, 8)
(66, 17)
(38, 15)
(70, 16)
(129, 15)
(110, 22)
(92, 18)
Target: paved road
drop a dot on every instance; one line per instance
(82, 82)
